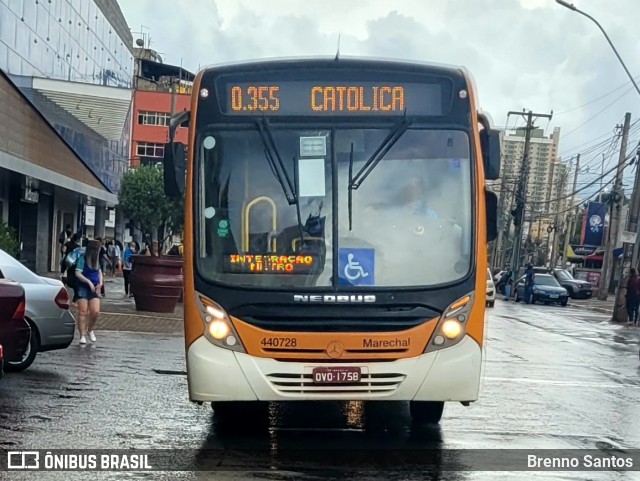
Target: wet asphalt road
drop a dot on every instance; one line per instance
(553, 378)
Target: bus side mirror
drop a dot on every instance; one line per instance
(491, 206)
(174, 169)
(490, 145)
(175, 155)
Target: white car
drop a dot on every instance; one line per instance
(491, 290)
(47, 311)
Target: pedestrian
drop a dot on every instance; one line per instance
(633, 296)
(90, 280)
(63, 238)
(104, 260)
(68, 263)
(528, 284)
(127, 267)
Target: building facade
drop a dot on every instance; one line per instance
(66, 81)
(543, 155)
(161, 90)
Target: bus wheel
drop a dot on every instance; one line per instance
(426, 412)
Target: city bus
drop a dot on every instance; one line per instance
(336, 232)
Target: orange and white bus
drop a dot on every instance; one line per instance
(336, 233)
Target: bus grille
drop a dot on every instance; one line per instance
(381, 383)
(335, 325)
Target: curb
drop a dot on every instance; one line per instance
(134, 322)
(602, 310)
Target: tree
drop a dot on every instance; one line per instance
(143, 200)
(8, 240)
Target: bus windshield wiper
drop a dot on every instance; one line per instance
(275, 162)
(280, 173)
(387, 144)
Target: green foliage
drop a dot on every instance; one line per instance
(8, 240)
(143, 200)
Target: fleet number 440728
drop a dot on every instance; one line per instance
(279, 342)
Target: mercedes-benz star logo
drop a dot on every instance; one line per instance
(335, 349)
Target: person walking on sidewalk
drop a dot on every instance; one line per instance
(633, 296)
(104, 260)
(90, 279)
(114, 253)
(528, 284)
(127, 267)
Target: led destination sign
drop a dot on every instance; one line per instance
(268, 264)
(333, 98)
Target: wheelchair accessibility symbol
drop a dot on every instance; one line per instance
(356, 267)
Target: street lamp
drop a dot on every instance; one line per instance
(575, 9)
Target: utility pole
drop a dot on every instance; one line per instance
(614, 224)
(498, 247)
(573, 215)
(619, 308)
(521, 191)
(556, 221)
(505, 233)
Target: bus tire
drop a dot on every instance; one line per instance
(426, 412)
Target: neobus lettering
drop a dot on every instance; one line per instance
(341, 98)
(355, 298)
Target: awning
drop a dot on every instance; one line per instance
(38, 150)
(102, 109)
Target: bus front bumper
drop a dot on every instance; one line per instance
(216, 374)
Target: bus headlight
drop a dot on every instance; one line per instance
(451, 328)
(218, 328)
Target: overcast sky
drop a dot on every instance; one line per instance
(523, 54)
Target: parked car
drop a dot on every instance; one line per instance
(491, 290)
(577, 289)
(46, 311)
(15, 332)
(545, 289)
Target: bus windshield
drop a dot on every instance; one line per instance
(411, 217)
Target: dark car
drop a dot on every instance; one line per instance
(15, 332)
(545, 289)
(577, 289)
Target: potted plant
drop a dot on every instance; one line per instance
(8, 240)
(156, 280)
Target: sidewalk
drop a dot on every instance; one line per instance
(118, 312)
(594, 304)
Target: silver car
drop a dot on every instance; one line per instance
(47, 311)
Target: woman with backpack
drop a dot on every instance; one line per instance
(90, 280)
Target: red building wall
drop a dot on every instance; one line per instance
(145, 101)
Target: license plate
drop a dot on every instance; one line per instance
(336, 375)
(554, 296)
